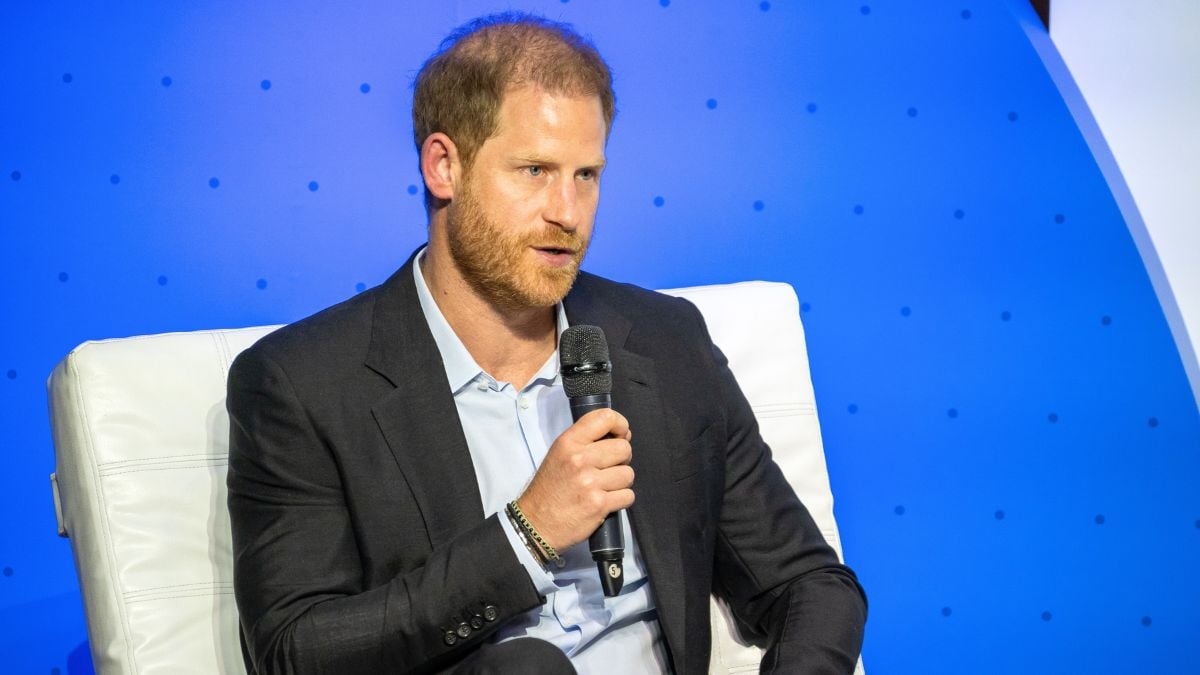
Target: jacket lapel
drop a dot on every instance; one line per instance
(637, 396)
(420, 423)
(418, 418)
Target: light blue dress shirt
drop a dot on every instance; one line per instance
(508, 433)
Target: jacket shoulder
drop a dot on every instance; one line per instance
(335, 337)
(636, 302)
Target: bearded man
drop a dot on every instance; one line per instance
(407, 489)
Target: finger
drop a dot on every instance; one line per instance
(620, 499)
(615, 478)
(612, 452)
(600, 423)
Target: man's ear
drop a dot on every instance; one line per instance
(439, 165)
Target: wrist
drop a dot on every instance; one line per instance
(542, 549)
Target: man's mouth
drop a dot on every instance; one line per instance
(556, 256)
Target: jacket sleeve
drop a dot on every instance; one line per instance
(783, 582)
(298, 577)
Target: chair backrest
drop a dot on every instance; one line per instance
(141, 443)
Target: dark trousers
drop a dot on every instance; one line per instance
(526, 656)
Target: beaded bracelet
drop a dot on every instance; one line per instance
(548, 551)
(533, 550)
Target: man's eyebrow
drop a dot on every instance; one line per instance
(539, 159)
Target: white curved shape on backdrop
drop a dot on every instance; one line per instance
(1132, 81)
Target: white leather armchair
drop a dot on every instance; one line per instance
(141, 443)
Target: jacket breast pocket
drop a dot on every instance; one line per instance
(690, 459)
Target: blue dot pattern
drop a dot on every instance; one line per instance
(946, 611)
(999, 514)
(8, 571)
(758, 205)
(313, 186)
(213, 160)
(711, 104)
(659, 201)
(899, 510)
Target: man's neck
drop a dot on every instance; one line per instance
(509, 343)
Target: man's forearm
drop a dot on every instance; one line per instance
(817, 625)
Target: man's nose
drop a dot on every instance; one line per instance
(562, 208)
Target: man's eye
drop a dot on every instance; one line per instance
(587, 174)
(535, 171)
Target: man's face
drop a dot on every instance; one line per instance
(520, 222)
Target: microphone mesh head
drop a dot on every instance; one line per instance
(584, 346)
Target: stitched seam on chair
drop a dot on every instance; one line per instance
(775, 414)
(196, 595)
(100, 497)
(223, 355)
(200, 586)
(164, 468)
(166, 464)
(165, 459)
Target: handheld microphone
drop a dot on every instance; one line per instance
(587, 378)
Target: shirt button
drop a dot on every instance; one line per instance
(481, 385)
(524, 403)
(477, 622)
(490, 613)
(449, 638)
(464, 630)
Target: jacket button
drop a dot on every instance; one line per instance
(449, 638)
(490, 613)
(477, 622)
(463, 630)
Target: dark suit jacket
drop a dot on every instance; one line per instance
(358, 530)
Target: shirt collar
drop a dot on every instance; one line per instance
(461, 368)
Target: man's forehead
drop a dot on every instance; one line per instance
(532, 111)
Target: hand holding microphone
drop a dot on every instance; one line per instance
(585, 478)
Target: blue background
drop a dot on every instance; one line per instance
(1010, 434)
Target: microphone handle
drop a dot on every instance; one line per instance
(607, 543)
